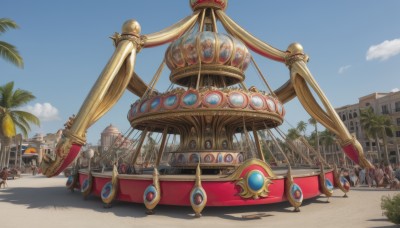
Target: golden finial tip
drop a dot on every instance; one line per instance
(295, 48)
(131, 27)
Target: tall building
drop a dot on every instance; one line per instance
(381, 104)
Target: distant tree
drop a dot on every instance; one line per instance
(11, 118)
(314, 122)
(302, 127)
(8, 51)
(293, 134)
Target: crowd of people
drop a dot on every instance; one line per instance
(383, 175)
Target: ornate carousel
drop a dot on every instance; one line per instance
(203, 141)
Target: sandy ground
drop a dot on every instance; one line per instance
(37, 201)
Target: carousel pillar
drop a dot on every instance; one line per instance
(258, 145)
(162, 147)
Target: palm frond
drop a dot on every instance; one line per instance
(21, 97)
(6, 24)
(29, 117)
(22, 129)
(11, 54)
(6, 92)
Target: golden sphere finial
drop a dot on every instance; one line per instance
(295, 48)
(131, 27)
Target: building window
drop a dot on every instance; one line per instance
(397, 106)
(355, 115)
(343, 117)
(385, 109)
(398, 134)
(351, 126)
(367, 143)
(350, 116)
(398, 121)
(367, 104)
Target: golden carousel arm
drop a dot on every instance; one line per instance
(170, 33)
(251, 42)
(107, 90)
(302, 79)
(286, 92)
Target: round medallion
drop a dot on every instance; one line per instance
(150, 193)
(177, 56)
(220, 158)
(271, 104)
(239, 53)
(296, 192)
(190, 99)
(225, 48)
(197, 196)
(246, 61)
(70, 180)
(207, 47)
(237, 100)
(144, 106)
(170, 102)
(257, 101)
(345, 183)
(194, 158)
(328, 184)
(240, 158)
(106, 191)
(255, 180)
(213, 99)
(279, 107)
(209, 158)
(155, 104)
(228, 158)
(190, 50)
(85, 185)
(181, 159)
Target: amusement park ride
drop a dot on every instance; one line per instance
(216, 123)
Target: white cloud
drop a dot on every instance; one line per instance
(45, 111)
(384, 50)
(395, 90)
(343, 69)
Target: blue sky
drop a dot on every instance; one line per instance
(354, 49)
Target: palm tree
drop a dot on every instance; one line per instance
(314, 122)
(368, 121)
(8, 51)
(302, 127)
(328, 140)
(386, 129)
(293, 134)
(11, 118)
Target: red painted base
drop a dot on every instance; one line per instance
(175, 190)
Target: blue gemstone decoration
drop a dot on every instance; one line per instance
(143, 107)
(69, 180)
(197, 197)
(152, 189)
(343, 180)
(328, 184)
(85, 184)
(170, 101)
(257, 101)
(220, 158)
(190, 99)
(106, 191)
(255, 181)
(295, 188)
(213, 99)
(155, 103)
(236, 99)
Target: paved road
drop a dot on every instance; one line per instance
(37, 201)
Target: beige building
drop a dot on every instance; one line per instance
(382, 104)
